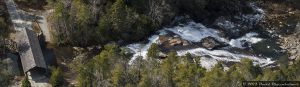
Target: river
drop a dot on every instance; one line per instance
(250, 45)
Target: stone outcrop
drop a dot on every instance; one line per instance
(209, 43)
(169, 41)
(292, 43)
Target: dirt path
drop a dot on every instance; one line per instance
(15, 17)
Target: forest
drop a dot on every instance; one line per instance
(111, 68)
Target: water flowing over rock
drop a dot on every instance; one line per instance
(168, 41)
(240, 24)
(196, 32)
(190, 33)
(245, 41)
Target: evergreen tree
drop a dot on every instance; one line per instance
(56, 78)
(153, 51)
(124, 22)
(105, 60)
(272, 75)
(118, 76)
(248, 70)
(85, 76)
(214, 78)
(234, 76)
(168, 70)
(3, 28)
(187, 73)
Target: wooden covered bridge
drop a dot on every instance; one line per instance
(27, 41)
(30, 51)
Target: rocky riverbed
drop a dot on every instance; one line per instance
(227, 40)
(266, 34)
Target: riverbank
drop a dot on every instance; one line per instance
(282, 21)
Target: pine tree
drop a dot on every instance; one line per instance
(248, 70)
(234, 76)
(85, 76)
(81, 11)
(184, 73)
(167, 70)
(3, 26)
(117, 76)
(56, 78)
(214, 78)
(153, 51)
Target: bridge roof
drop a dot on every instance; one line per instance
(30, 50)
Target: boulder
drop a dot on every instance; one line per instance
(175, 41)
(209, 43)
(168, 41)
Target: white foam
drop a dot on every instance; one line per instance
(195, 32)
(141, 49)
(223, 55)
(226, 24)
(208, 63)
(248, 38)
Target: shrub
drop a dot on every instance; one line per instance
(3, 28)
(56, 78)
(25, 82)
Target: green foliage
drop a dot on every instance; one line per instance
(100, 70)
(192, 5)
(25, 82)
(150, 71)
(167, 70)
(82, 13)
(4, 74)
(75, 23)
(153, 51)
(141, 6)
(293, 71)
(214, 78)
(295, 3)
(111, 68)
(5, 79)
(3, 28)
(56, 78)
(122, 23)
(117, 75)
(85, 77)
(248, 70)
(234, 76)
(29, 1)
(51, 3)
(187, 73)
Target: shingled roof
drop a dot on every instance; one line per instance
(30, 50)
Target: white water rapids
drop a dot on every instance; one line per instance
(195, 32)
